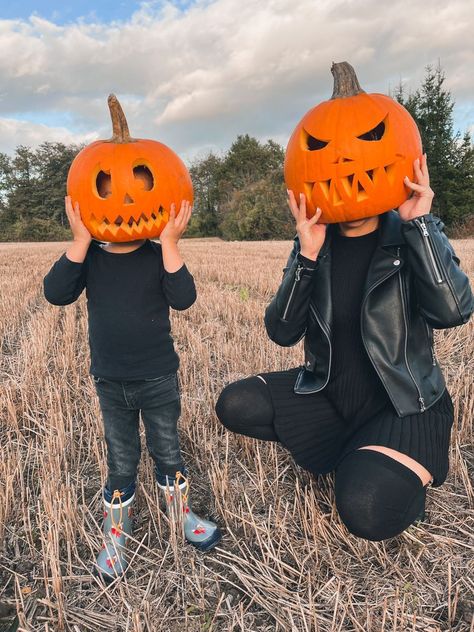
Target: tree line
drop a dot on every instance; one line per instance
(240, 194)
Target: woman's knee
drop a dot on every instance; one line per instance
(245, 404)
(376, 496)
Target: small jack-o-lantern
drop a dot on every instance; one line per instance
(125, 186)
(349, 155)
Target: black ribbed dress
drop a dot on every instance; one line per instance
(354, 409)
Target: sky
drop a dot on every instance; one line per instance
(196, 73)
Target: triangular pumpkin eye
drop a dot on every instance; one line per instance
(374, 134)
(313, 143)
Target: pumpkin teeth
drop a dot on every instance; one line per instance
(390, 171)
(353, 186)
(133, 228)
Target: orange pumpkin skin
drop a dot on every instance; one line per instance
(131, 212)
(346, 176)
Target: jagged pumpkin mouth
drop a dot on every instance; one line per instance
(130, 225)
(355, 187)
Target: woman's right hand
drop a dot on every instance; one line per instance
(310, 233)
(79, 231)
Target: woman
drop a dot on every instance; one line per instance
(370, 401)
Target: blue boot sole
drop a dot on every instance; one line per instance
(210, 543)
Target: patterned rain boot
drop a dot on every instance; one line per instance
(111, 562)
(201, 533)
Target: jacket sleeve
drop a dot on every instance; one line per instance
(443, 291)
(64, 282)
(287, 313)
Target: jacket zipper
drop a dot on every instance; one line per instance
(420, 397)
(372, 287)
(426, 236)
(326, 333)
(431, 343)
(297, 278)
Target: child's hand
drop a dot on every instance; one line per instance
(420, 202)
(176, 226)
(79, 231)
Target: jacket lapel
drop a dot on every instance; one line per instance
(321, 298)
(385, 262)
(387, 259)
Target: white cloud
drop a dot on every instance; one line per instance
(197, 78)
(14, 132)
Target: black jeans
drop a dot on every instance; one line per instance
(158, 401)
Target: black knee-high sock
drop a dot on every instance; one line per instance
(246, 407)
(376, 496)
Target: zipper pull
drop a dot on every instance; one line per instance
(424, 228)
(422, 404)
(298, 272)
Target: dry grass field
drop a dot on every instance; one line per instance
(286, 561)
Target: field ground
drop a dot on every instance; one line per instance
(286, 562)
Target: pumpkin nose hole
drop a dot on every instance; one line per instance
(127, 199)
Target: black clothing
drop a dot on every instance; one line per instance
(354, 387)
(246, 407)
(377, 497)
(319, 438)
(128, 301)
(413, 284)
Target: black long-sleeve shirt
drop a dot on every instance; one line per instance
(354, 387)
(128, 301)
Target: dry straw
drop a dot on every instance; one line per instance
(286, 561)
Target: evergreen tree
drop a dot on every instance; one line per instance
(449, 156)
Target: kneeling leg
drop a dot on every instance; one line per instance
(377, 496)
(246, 407)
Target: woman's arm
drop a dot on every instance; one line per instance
(287, 313)
(443, 290)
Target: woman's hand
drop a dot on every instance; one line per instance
(79, 231)
(176, 226)
(420, 201)
(310, 233)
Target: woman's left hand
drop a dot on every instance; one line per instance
(420, 201)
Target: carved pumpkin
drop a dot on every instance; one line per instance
(125, 186)
(349, 155)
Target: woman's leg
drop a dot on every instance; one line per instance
(422, 472)
(378, 496)
(245, 407)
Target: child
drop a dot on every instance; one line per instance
(130, 288)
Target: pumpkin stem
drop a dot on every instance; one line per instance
(346, 83)
(120, 133)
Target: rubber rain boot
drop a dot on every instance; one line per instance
(202, 534)
(118, 511)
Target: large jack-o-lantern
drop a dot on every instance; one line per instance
(349, 155)
(125, 186)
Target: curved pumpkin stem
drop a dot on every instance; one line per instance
(120, 133)
(346, 83)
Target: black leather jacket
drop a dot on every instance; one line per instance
(414, 284)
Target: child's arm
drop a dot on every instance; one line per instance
(65, 281)
(178, 283)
